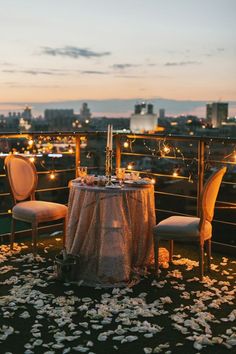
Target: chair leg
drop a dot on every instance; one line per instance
(156, 255)
(64, 231)
(12, 236)
(201, 261)
(209, 255)
(171, 250)
(34, 237)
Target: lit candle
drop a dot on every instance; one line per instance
(111, 138)
(108, 136)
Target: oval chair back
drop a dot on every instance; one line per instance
(22, 177)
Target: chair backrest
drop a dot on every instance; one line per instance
(209, 194)
(22, 177)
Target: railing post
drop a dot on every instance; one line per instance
(201, 153)
(77, 154)
(118, 151)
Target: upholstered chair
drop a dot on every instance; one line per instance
(22, 177)
(191, 229)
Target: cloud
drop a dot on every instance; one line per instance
(129, 76)
(35, 72)
(17, 85)
(215, 52)
(4, 63)
(73, 52)
(181, 63)
(123, 66)
(90, 72)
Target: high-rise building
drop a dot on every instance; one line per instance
(216, 113)
(85, 114)
(143, 119)
(59, 119)
(27, 114)
(161, 113)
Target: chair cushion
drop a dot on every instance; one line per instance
(38, 211)
(182, 228)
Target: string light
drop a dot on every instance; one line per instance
(128, 143)
(52, 175)
(153, 181)
(130, 166)
(158, 148)
(166, 149)
(175, 173)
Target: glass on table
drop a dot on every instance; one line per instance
(134, 175)
(120, 174)
(89, 180)
(101, 181)
(82, 173)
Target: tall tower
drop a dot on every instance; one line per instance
(85, 114)
(216, 113)
(161, 113)
(27, 113)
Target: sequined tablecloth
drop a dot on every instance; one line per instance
(111, 232)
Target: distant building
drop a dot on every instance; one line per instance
(85, 114)
(27, 114)
(216, 113)
(143, 119)
(161, 113)
(59, 119)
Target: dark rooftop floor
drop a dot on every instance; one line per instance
(173, 315)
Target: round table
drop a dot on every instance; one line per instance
(110, 229)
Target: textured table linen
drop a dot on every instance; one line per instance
(111, 232)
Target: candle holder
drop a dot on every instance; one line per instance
(108, 166)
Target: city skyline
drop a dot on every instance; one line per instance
(63, 51)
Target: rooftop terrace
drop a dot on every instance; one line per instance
(40, 314)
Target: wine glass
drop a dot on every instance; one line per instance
(134, 175)
(82, 173)
(120, 175)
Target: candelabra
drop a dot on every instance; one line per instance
(108, 166)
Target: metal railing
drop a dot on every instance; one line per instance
(221, 152)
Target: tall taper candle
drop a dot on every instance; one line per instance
(111, 137)
(108, 136)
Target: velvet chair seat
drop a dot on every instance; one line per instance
(184, 227)
(37, 211)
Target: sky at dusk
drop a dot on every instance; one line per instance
(103, 50)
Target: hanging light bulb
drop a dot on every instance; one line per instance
(126, 144)
(130, 166)
(153, 181)
(52, 175)
(32, 159)
(175, 173)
